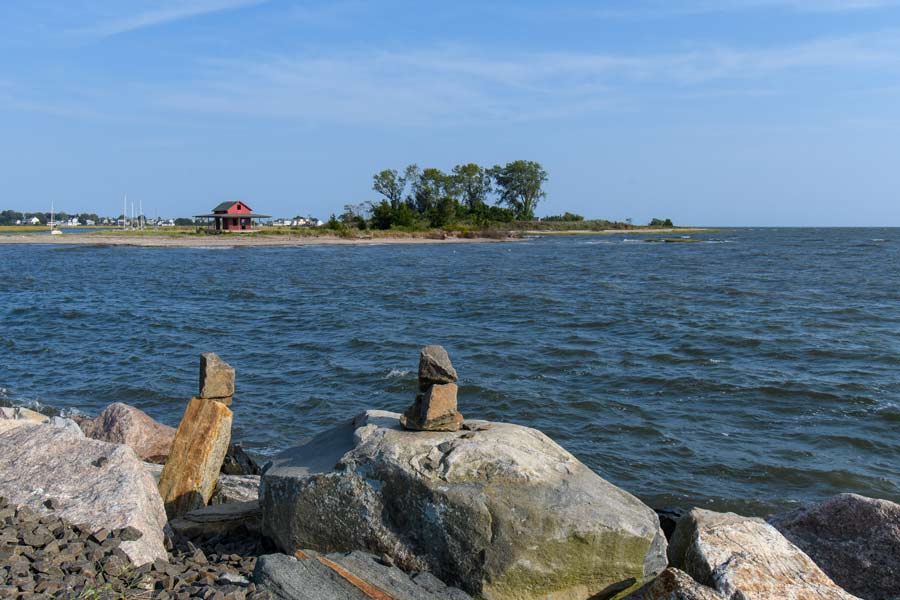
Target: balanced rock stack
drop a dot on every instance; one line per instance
(435, 405)
(188, 479)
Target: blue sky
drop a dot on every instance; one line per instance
(728, 112)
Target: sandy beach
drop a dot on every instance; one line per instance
(229, 241)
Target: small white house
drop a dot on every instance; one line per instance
(72, 222)
(34, 221)
(89, 222)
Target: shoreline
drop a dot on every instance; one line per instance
(656, 230)
(220, 241)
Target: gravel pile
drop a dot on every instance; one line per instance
(41, 556)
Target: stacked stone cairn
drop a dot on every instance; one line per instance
(189, 476)
(435, 406)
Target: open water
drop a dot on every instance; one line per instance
(755, 370)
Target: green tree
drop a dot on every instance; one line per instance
(390, 184)
(661, 223)
(519, 185)
(428, 189)
(473, 183)
(382, 215)
(442, 213)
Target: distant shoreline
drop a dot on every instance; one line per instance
(232, 240)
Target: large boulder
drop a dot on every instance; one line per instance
(353, 576)
(501, 512)
(124, 424)
(854, 539)
(747, 559)
(673, 584)
(94, 484)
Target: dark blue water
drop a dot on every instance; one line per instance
(755, 370)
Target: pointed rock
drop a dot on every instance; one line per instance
(189, 477)
(435, 367)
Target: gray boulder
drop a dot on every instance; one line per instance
(435, 367)
(89, 483)
(747, 559)
(673, 584)
(502, 512)
(352, 576)
(854, 539)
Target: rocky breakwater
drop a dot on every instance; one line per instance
(499, 510)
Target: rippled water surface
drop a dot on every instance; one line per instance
(754, 370)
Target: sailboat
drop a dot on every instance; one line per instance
(53, 229)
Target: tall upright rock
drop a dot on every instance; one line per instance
(188, 479)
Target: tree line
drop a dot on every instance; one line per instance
(469, 193)
(10, 217)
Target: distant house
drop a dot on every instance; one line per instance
(234, 215)
(34, 221)
(72, 222)
(89, 222)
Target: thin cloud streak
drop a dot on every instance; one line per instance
(168, 14)
(428, 85)
(655, 8)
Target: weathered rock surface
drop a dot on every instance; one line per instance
(121, 423)
(747, 559)
(673, 584)
(228, 489)
(353, 576)
(238, 462)
(189, 476)
(855, 540)
(93, 484)
(216, 378)
(20, 413)
(434, 410)
(502, 512)
(219, 519)
(235, 488)
(435, 367)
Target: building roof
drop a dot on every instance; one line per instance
(228, 204)
(233, 216)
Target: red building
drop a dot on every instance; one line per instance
(232, 216)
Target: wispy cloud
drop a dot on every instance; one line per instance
(163, 13)
(667, 8)
(429, 84)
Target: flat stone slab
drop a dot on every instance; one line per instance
(352, 576)
(219, 519)
(93, 484)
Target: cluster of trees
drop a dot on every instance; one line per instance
(10, 217)
(470, 193)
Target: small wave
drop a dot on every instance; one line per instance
(397, 373)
